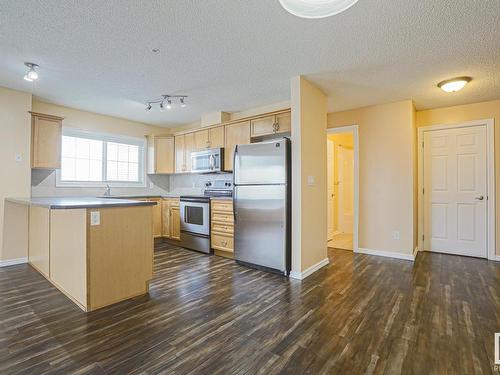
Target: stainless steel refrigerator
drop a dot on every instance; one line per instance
(262, 205)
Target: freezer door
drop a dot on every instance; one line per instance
(260, 225)
(261, 163)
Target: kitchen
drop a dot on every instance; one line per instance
(194, 175)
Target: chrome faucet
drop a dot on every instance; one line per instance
(107, 193)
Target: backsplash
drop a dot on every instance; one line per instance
(190, 184)
(43, 184)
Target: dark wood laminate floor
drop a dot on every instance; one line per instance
(206, 315)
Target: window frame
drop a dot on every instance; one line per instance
(105, 138)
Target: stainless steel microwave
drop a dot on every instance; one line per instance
(206, 161)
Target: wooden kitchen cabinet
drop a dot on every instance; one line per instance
(180, 166)
(46, 138)
(222, 227)
(161, 154)
(216, 137)
(209, 138)
(236, 134)
(175, 225)
(280, 123)
(157, 218)
(184, 145)
(171, 218)
(157, 215)
(201, 140)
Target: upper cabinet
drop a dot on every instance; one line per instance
(236, 134)
(184, 145)
(280, 123)
(160, 154)
(46, 138)
(209, 138)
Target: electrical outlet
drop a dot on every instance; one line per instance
(18, 158)
(95, 218)
(310, 180)
(395, 235)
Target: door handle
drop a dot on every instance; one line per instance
(480, 198)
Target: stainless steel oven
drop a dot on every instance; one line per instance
(206, 161)
(195, 223)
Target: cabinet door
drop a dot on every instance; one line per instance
(284, 122)
(236, 134)
(180, 165)
(262, 126)
(189, 147)
(164, 155)
(216, 137)
(175, 225)
(46, 133)
(201, 140)
(165, 209)
(157, 216)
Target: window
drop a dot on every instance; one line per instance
(93, 159)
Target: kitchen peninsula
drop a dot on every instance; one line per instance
(97, 251)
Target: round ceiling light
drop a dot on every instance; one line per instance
(454, 84)
(316, 8)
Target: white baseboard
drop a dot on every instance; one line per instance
(387, 254)
(13, 262)
(302, 275)
(495, 258)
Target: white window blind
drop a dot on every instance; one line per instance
(97, 159)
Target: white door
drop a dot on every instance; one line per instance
(455, 191)
(331, 187)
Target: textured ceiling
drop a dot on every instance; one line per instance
(236, 54)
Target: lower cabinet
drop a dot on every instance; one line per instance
(222, 227)
(157, 215)
(171, 227)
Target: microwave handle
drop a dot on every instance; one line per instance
(212, 162)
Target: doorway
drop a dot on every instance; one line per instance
(456, 189)
(342, 188)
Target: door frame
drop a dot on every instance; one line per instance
(490, 180)
(354, 129)
(330, 167)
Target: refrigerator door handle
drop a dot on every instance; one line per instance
(234, 205)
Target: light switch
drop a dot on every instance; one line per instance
(95, 218)
(395, 235)
(310, 180)
(18, 158)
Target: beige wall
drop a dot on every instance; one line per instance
(386, 174)
(309, 216)
(15, 135)
(469, 112)
(75, 118)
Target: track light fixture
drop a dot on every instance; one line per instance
(169, 100)
(31, 75)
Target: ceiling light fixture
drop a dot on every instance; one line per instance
(31, 75)
(454, 84)
(316, 8)
(168, 99)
